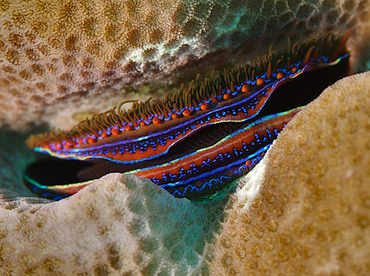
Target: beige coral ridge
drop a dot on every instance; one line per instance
(311, 213)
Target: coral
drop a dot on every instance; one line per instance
(54, 55)
(305, 210)
(61, 60)
(121, 225)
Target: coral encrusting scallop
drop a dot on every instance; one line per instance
(304, 211)
(158, 132)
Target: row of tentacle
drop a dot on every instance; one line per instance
(199, 96)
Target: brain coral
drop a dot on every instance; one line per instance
(308, 213)
(303, 211)
(61, 57)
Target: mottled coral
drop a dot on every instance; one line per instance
(120, 225)
(305, 211)
(58, 58)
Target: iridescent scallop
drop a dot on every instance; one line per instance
(159, 133)
(204, 173)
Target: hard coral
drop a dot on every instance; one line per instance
(121, 225)
(305, 210)
(60, 57)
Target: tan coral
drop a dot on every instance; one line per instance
(305, 210)
(120, 225)
(51, 50)
(59, 58)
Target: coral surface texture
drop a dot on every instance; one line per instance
(62, 57)
(304, 210)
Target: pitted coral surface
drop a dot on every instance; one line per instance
(56, 54)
